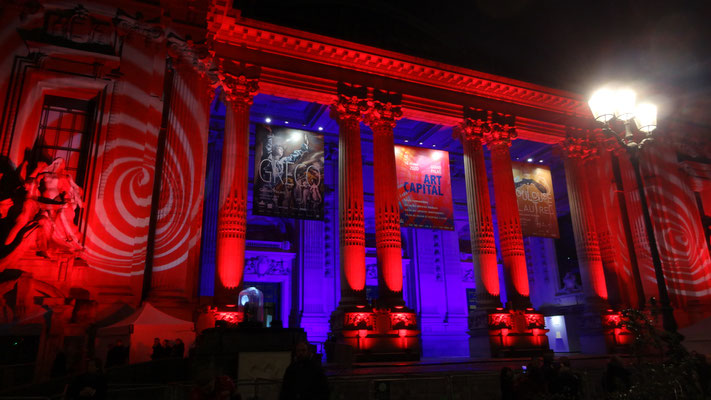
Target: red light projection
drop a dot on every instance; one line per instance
(677, 223)
(179, 215)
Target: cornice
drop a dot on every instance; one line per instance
(256, 35)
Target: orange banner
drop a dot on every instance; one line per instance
(536, 202)
(424, 188)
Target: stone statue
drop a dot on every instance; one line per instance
(50, 203)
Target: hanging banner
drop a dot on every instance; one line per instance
(536, 202)
(288, 173)
(424, 188)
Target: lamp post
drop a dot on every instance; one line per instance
(640, 120)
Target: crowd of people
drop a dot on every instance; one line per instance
(167, 349)
(304, 379)
(540, 377)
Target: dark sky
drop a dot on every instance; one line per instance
(568, 44)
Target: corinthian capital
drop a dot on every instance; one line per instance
(351, 102)
(240, 82)
(501, 130)
(579, 144)
(195, 54)
(384, 111)
(473, 126)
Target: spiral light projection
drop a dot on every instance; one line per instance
(639, 236)
(179, 212)
(118, 218)
(685, 256)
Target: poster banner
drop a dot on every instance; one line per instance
(288, 173)
(536, 202)
(424, 188)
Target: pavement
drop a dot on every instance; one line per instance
(456, 365)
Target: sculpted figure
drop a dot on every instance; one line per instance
(51, 200)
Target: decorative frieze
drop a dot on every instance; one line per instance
(264, 265)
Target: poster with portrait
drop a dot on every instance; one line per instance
(288, 173)
(424, 188)
(536, 202)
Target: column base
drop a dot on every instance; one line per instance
(618, 339)
(362, 334)
(517, 333)
(214, 317)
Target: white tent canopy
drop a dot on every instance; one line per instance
(140, 328)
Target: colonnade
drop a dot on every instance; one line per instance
(380, 110)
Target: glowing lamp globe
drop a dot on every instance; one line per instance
(646, 117)
(625, 104)
(602, 105)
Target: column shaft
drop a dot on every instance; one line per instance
(581, 210)
(481, 230)
(347, 111)
(232, 214)
(381, 119)
(509, 221)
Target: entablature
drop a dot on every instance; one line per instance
(308, 66)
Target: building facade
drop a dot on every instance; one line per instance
(129, 137)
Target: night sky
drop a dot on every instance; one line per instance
(573, 45)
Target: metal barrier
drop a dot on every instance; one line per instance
(259, 389)
(461, 386)
(25, 398)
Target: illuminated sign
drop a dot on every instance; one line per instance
(536, 202)
(288, 173)
(424, 188)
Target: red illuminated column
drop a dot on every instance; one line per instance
(498, 139)
(381, 118)
(232, 213)
(481, 230)
(619, 267)
(576, 150)
(347, 111)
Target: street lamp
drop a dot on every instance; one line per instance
(640, 120)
